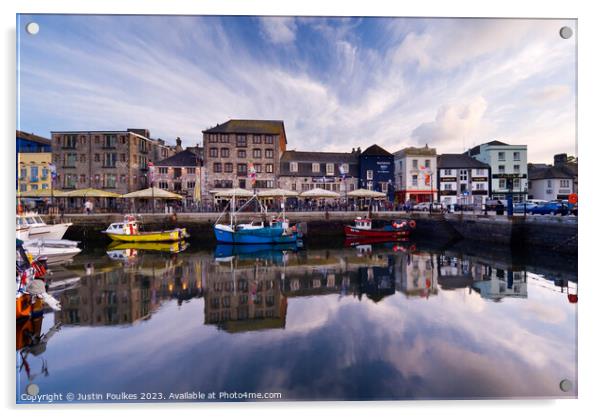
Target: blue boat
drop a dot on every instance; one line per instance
(270, 252)
(276, 231)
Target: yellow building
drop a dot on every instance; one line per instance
(33, 171)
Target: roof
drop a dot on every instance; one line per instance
(549, 172)
(376, 150)
(418, 151)
(459, 161)
(33, 138)
(184, 158)
(249, 126)
(305, 159)
(476, 150)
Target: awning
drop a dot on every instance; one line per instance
(153, 193)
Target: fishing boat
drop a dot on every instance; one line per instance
(40, 229)
(277, 230)
(53, 250)
(394, 231)
(129, 231)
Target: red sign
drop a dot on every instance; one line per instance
(573, 198)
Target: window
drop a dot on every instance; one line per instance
(447, 186)
(384, 186)
(44, 186)
(70, 160)
(122, 178)
(82, 178)
(224, 152)
(34, 173)
(517, 168)
(315, 167)
(190, 170)
(224, 139)
(110, 181)
(345, 168)
(23, 173)
(414, 180)
(190, 185)
(242, 153)
(82, 158)
(369, 175)
(330, 169)
(480, 186)
(241, 169)
(463, 175)
(122, 158)
(269, 168)
(213, 152)
(23, 187)
(223, 184)
(256, 153)
(177, 186)
(269, 153)
(305, 187)
(293, 167)
(242, 183)
(447, 172)
(163, 185)
(70, 141)
(480, 172)
(258, 168)
(241, 140)
(212, 138)
(110, 159)
(516, 156)
(564, 183)
(228, 167)
(294, 187)
(257, 139)
(109, 141)
(269, 139)
(44, 173)
(217, 167)
(501, 156)
(415, 164)
(427, 163)
(502, 183)
(163, 170)
(516, 184)
(549, 183)
(501, 169)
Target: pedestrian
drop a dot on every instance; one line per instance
(88, 206)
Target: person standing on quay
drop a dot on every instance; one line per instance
(88, 207)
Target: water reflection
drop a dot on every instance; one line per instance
(385, 321)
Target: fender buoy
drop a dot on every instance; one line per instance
(412, 224)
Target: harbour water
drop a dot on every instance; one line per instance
(371, 322)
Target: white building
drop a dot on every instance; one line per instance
(547, 182)
(462, 180)
(416, 174)
(509, 173)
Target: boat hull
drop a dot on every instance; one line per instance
(255, 236)
(56, 231)
(163, 236)
(353, 232)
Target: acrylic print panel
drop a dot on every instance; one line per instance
(374, 208)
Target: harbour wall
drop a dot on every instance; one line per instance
(544, 233)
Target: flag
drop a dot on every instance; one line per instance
(151, 172)
(52, 168)
(342, 171)
(252, 174)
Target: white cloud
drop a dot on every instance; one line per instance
(279, 30)
(549, 94)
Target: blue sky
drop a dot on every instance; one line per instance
(337, 83)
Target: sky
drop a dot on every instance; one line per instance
(337, 83)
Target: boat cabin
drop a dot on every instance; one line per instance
(363, 223)
(123, 228)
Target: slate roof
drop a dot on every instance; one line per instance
(376, 150)
(184, 158)
(305, 159)
(477, 149)
(248, 126)
(459, 161)
(549, 172)
(33, 138)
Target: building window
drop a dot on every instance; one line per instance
(70, 141)
(269, 168)
(177, 186)
(480, 186)
(110, 181)
(122, 178)
(516, 156)
(269, 153)
(163, 170)
(293, 167)
(501, 156)
(330, 169)
(110, 159)
(517, 168)
(549, 183)
(212, 138)
(225, 152)
(414, 180)
(213, 152)
(242, 183)
(110, 141)
(269, 139)
(447, 186)
(480, 172)
(258, 168)
(516, 184)
(242, 153)
(163, 185)
(501, 169)
(190, 170)
(44, 186)
(257, 139)
(122, 158)
(564, 183)
(447, 172)
(315, 167)
(502, 183)
(190, 185)
(241, 169)
(369, 175)
(224, 139)
(415, 164)
(294, 187)
(427, 163)
(241, 140)
(463, 175)
(217, 167)
(228, 167)
(344, 168)
(82, 178)
(256, 153)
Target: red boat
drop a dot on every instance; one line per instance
(363, 228)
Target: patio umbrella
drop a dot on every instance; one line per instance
(152, 193)
(277, 193)
(41, 193)
(364, 193)
(320, 193)
(89, 192)
(232, 192)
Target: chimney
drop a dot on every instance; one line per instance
(560, 160)
(178, 144)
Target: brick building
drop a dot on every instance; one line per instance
(179, 173)
(111, 160)
(229, 148)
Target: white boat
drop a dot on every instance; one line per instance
(40, 229)
(54, 250)
(22, 229)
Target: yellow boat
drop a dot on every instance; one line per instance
(168, 247)
(128, 231)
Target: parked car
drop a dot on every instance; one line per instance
(426, 206)
(550, 208)
(536, 201)
(492, 204)
(524, 207)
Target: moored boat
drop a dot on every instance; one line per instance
(396, 230)
(129, 231)
(53, 250)
(40, 229)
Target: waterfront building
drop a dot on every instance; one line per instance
(27, 142)
(462, 180)
(113, 160)
(508, 165)
(376, 170)
(232, 148)
(549, 182)
(180, 173)
(302, 170)
(33, 171)
(416, 275)
(416, 174)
